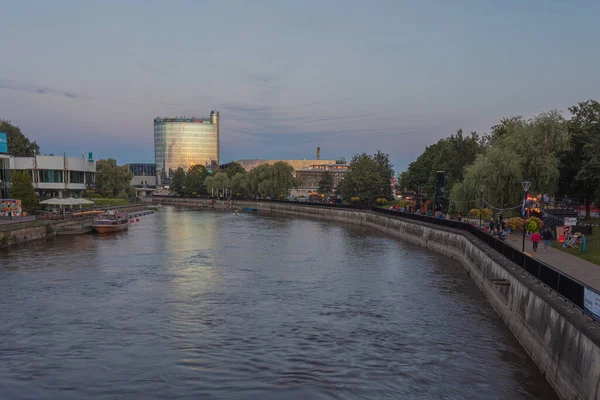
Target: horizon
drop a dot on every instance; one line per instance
(288, 78)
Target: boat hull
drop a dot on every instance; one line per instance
(110, 228)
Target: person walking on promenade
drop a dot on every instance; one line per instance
(492, 224)
(547, 236)
(535, 238)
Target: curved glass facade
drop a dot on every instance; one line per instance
(184, 142)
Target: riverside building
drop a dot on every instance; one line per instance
(184, 142)
(51, 176)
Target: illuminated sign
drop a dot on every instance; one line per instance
(3, 143)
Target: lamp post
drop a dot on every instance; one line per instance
(481, 188)
(526, 185)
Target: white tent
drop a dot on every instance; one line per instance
(66, 202)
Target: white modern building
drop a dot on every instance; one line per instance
(52, 176)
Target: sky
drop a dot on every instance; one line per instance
(287, 76)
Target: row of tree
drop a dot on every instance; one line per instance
(560, 156)
(274, 180)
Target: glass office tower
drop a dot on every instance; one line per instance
(184, 142)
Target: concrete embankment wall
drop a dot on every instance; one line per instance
(562, 341)
(28, 231)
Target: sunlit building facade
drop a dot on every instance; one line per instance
(185, 142)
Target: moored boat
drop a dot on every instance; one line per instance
(111, 222)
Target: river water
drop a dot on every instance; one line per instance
(202, 305)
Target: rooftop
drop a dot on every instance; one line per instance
(181, 119)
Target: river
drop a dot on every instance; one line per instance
(194, 304)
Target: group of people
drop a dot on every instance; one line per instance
(546, 236)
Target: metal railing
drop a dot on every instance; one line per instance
(563, 284)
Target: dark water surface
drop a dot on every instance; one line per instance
(201, 305)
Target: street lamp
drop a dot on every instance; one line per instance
(481, 188)
(526, 185)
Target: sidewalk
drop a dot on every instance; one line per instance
(576, 267)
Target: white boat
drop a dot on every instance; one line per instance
(111, 221)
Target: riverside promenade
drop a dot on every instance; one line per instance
(580, 269)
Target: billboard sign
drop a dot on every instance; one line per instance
(3, 143)
(10, 208)
(570, 221)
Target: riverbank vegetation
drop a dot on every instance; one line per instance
(368, 179)
(558, 155)
(273, 180)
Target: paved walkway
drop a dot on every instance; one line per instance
(582, 270)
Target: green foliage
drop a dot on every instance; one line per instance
(485, 213)
(381, 201)
(22, 189)
(111, 178)
(368, 178)
(194, 180)
(96, 196)
(580, 167)
(178, 181)
(18, 144)
(110, 196)
(514, 223)
(326, 184)
(534, 224)
(233, 169)
(517, 150)
(123, 195)
(450, 155)
(274, 180)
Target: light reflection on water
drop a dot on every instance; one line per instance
(196, 304)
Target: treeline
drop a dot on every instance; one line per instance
(560, 156)
(274, 180)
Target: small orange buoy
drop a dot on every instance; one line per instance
(131, 221)
(137, 220)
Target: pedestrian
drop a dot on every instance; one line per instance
(547, 237)
(535, 238)
(492, 224)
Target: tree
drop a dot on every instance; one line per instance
(221, 182)
(194, 180)
(113, 179)
(239, 184)
(386, 172)
(577, 178)
(18, 144)
(365, 179)
(326, 183)
(22, 189)
(234, 168)
(178, 181)
(273, 180)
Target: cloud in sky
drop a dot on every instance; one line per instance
(290, 76)
(33, 88)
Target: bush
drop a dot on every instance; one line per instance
(96, 196)
(110, 196)
(487, 213)
(534, 224)
(514, 223)
(355, 199)
(123, 195)
(381, 201)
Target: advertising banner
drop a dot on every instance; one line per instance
(570, 221)
(10, 208)
(3, 143)
(560, 234)
(591, 302)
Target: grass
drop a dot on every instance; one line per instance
(592, 246)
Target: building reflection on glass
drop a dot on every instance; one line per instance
(185, 142)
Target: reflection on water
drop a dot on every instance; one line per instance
(195, 304)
